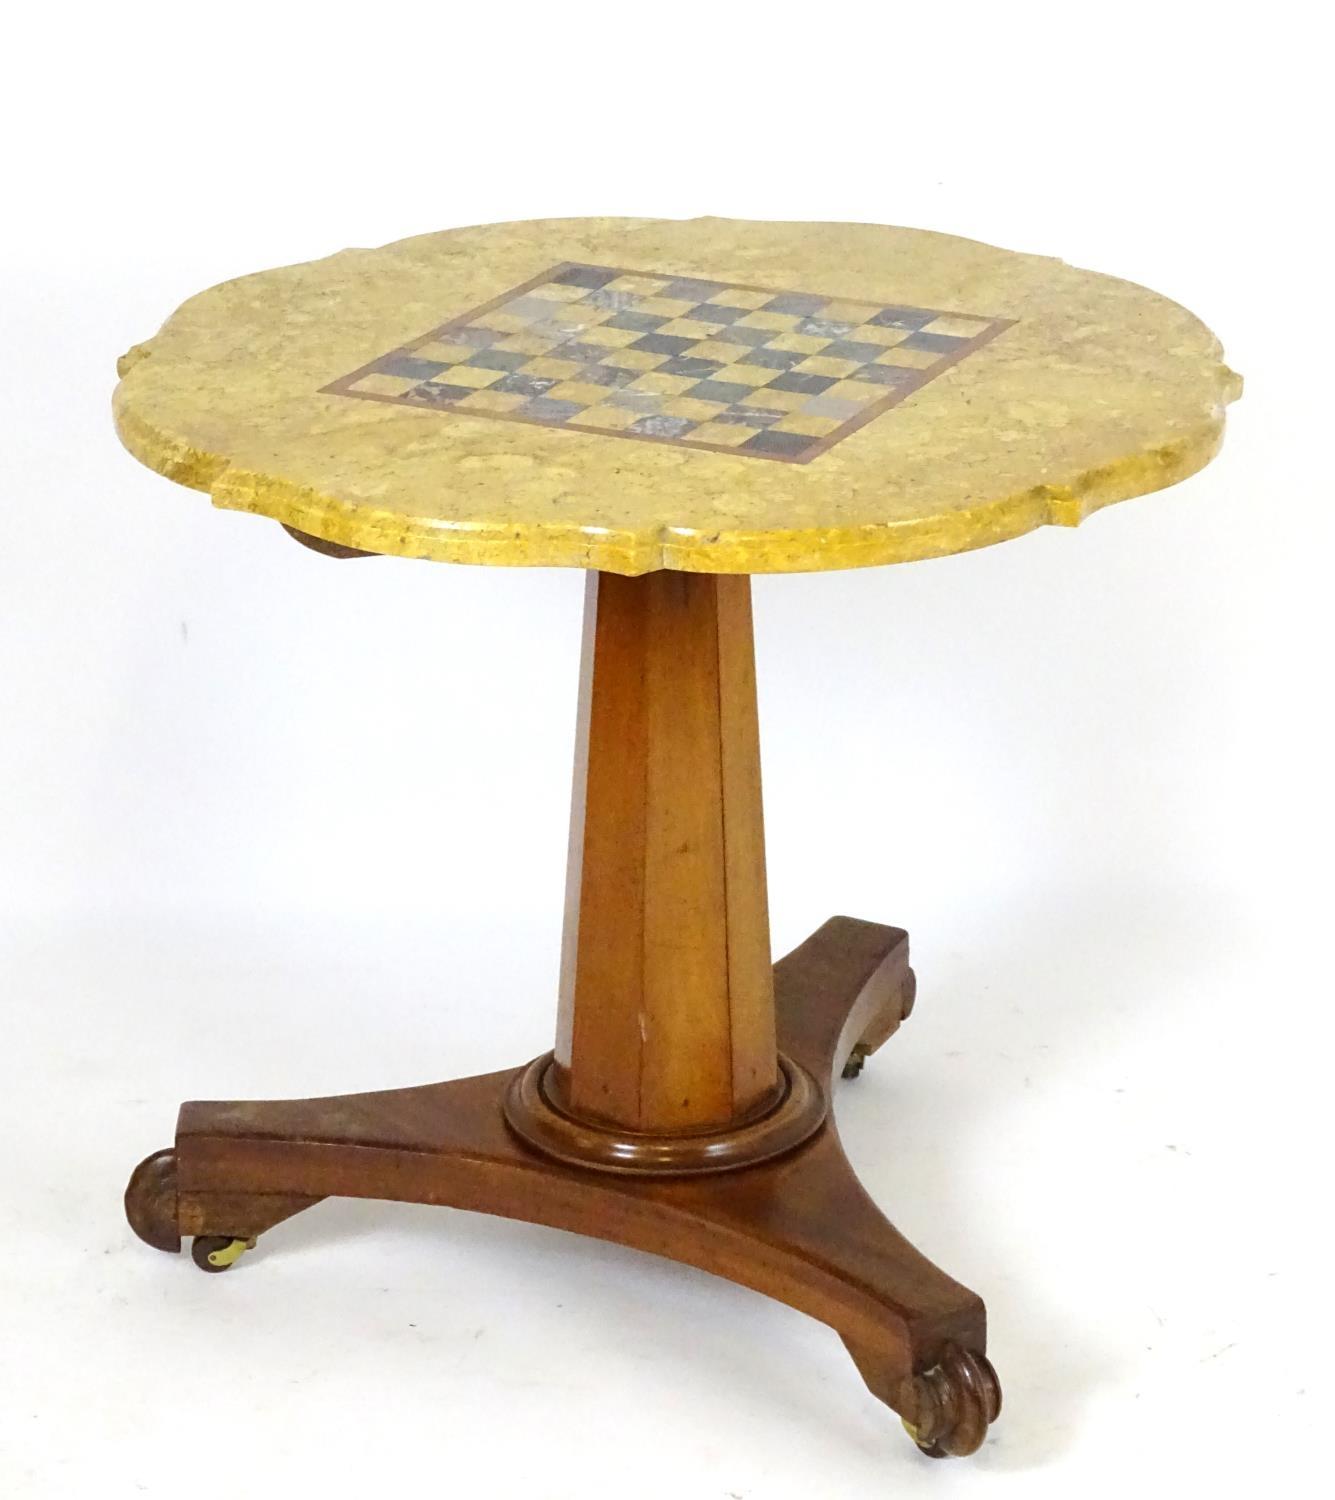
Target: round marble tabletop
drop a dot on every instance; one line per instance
(710, 395)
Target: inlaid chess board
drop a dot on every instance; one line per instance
(675, 359)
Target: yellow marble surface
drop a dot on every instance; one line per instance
(1100, 390)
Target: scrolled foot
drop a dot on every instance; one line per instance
(948, 1408)
(150, 1201)
(219, 1252)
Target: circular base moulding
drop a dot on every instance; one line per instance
(532, 1113)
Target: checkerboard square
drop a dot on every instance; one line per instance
(715, 312)
(544, 409)
(606, 375)
(586, 276)
(636, 400)
(476, 334)
(688, 328)
(661, 425)
(800, 303)
(691, 287)
(489, 402)
(739, 333)
(470, 375)
(374, 386)
(781, 444)
(852, 349)
(779, 359)
(807, 384)
(750, 416)
(433, 393)
(689, 364)
(747, 374)
(720, 434)
(719, 390)
(639, 322)
(933, 343)
(498, 359)
(409, 368)
(887, 375)
(579, 350)
(632, 359)
(662, 343)
(604, 297)
(525, 385)
(685, 360)
(825, 328)
(901, 317)
(831, 406)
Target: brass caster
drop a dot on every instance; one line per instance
(857, 1060)
(218, 1252)
(947, 1410)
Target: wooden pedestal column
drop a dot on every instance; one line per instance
(665, 1054)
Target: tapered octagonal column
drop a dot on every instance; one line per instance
(666, 1019)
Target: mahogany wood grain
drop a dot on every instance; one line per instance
(666, 1015)
(799, 1228)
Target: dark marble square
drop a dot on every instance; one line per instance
(573, 349)
(887, 375)
(933, 343)
(520, 384)
(604, 297)
(635, 322)
(802, 304)
(544, 409)
(663, 343)
(690, 364)
(409, 368)
(436, 393)
(901, 317)
(661, 425)
(733, 333)
(852, 349)
(723, 391)
(778, 359)
(808, 385)
(609, 375)
(498, 359)
(592, 277)
(475, 334)
(710, 312)
(555, 330)
(824, 328)
(689, 289)
(748, 416)
(782, 444)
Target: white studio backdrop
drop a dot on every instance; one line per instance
(275, 824)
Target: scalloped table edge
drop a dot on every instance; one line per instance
(633, 553)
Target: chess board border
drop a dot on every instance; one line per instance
(818, 445)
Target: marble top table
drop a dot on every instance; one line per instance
(672, 406)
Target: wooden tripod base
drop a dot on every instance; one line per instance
(798, 1227)
(685, 1106)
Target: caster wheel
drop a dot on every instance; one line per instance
(857, 1060)
(218, 1252)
